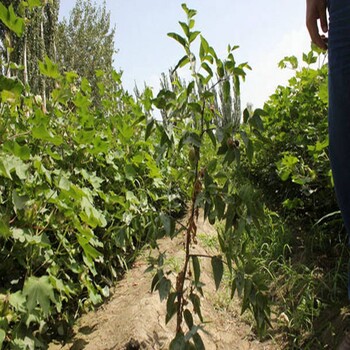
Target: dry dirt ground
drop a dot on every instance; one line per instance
(134, 318)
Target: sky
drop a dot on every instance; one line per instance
(265, 30)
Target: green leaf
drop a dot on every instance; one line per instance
(4, 229)
(196, 302)
(171, 307)
(11, 20)
(149, 128)
(11, 84)
(188, 318)
(178, 343)
(19, 202)
(130, 172)
(22, 152)
(34, 3)
(182, 62)
(164, 288)
(155, 281)
(246, 115)
(190, 138)
(196, 269)
(193, 36)
(18, 301)
(198, 342)
(185, 28)
(49, 69)
(2, 332)
(207, 68)
(178, 38)
(250, 150)
(218, 270)
(168, 224)
(189, 12)
(9, 163)
(38, 291)
(40, 132)
(256, 122)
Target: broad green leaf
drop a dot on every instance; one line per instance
(49, 69)
(130, 172)
(19, 202)
(11, 20)
(91, 215)
(218, 270)
(91, 253)
(40, 132)
(9, 163)
(38, 291)
(11, 84)
(18, 301)
(22, 152)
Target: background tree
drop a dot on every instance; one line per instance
(37, 41)
(86, 43)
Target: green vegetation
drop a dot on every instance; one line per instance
(88, 177)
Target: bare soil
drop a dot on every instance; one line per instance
(134, 318)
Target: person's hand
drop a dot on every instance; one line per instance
(317, 10)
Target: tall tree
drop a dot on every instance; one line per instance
(37, 41)
(85, 42)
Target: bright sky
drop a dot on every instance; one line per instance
(265, 30)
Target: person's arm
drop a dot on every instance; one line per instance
(317, 10)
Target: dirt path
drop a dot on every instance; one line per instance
(134, 318)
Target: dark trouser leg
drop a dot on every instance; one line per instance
(339, 104)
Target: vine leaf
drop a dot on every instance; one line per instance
(38, 291)
(218, 270)
(11, 20)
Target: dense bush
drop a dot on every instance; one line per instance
(291, 163)
(80, 190)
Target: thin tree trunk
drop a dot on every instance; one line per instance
(8, 54)
(25, 72)
(43, 45)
